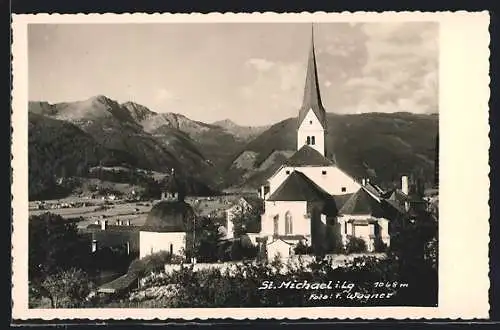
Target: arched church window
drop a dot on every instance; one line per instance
(313, 140)
(308, 140)
(288, 223)
(276, 225)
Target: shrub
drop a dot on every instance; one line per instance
(302, 248)
(67, 289)
(152, 263)
(54, 245)
(355, 245)
(379, 245)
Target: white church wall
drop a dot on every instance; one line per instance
(384, 231)
(152, 242)
(311, 126)
(334, 181)
(298, 211)
(330, 178)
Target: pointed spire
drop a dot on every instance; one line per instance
(312, 96)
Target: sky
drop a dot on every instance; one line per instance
(250, 73)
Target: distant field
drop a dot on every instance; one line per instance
(118, 210)
(136, 212)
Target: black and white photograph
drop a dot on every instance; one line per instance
(225, 164)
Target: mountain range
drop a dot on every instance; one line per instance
(66, 139)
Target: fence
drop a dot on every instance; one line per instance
(202, 266)
(336, 259)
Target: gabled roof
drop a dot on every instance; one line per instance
(375, 187)
(123, 282)
(397, 196)
(290, 237)
(298, 187)
(362, 202)
(373, 190)
(308, 156)
(255, 202)
(279, 240)
(312, 97)
(340, 200)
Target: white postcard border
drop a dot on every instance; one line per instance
(464, 184)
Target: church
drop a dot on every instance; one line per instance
(309, 199)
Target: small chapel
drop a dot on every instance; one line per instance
(310, 200)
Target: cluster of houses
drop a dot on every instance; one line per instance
(309, 200)
(43, 205)
(307, 197)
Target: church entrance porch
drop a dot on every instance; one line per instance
(368, 230)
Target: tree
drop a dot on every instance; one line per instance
(242, 248)
(333, 238)
(245, 218)
(54, 245)
(379, 245)
(67, 289)
(414, 246)
(207, 239)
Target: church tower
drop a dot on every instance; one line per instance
(312, 116)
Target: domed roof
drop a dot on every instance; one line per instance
(169, 216)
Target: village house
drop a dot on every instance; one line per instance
(121, 234)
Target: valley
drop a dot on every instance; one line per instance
(70, 139)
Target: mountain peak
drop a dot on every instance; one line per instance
(138, 111)
(101, 99)
(223, 122)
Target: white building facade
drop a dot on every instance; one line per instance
(154, 242)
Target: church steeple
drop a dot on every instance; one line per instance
(312, 95)
(312, 116)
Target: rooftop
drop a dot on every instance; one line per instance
(169, 216)
(308, 156)
(298, 187)
(362, 202)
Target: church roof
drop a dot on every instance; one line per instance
(361, 202)
(308, 156)
(298, 187)
(169, 216)
(312, 96)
